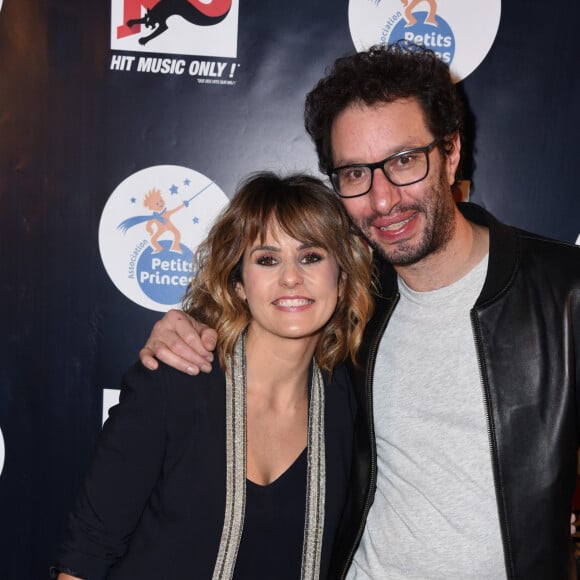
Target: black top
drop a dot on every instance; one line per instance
(274, 526)
(152, 505)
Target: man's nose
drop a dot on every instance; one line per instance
(384, 196)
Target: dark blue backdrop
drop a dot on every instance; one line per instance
(71, 130)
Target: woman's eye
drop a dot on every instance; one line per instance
(266, 261)
(312, 258)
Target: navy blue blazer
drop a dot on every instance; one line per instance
(152, 505)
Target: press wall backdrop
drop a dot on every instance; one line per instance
(113, 113)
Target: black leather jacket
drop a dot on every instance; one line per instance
(526, 325)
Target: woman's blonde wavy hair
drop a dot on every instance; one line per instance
(306, 210)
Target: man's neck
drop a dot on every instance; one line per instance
(466, 248)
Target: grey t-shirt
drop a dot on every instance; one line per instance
(435, 513)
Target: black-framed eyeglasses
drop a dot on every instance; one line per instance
(403, 168)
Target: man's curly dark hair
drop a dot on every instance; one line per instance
(383, 74)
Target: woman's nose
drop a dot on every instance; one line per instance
(291, 275)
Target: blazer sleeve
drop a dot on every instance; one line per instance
(125, 468)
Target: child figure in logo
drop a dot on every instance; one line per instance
(160, 223)
(411, 20)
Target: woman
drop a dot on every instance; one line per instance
(243, 472)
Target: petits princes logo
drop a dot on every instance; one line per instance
(206, 28)
(150, 228)
(461, 33)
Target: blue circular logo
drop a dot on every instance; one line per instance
(440, 39)
(461, 33)
(150, 228)
(164, 275)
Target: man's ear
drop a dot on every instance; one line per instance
(453, 157)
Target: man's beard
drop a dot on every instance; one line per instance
(438, 209)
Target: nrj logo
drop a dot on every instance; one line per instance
(460, 32)
(149, 230)
(193, 27)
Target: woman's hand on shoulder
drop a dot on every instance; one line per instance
(180, 342)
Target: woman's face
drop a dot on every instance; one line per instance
(291, 289)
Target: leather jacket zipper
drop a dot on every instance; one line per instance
(491, 439)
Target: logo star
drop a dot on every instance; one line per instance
(174, 189)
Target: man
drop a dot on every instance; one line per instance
(465, 453)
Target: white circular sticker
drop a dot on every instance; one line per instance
(150, 228)
(461, 32)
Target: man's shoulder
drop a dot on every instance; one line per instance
(549, 253)
(550, 244)
(548, 262)
(528, 239)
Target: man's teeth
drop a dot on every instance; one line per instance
(395, 226)
(293, 302)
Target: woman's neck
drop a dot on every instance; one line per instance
(276, 404)
(277, 369)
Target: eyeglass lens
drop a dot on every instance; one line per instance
(401, 169)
